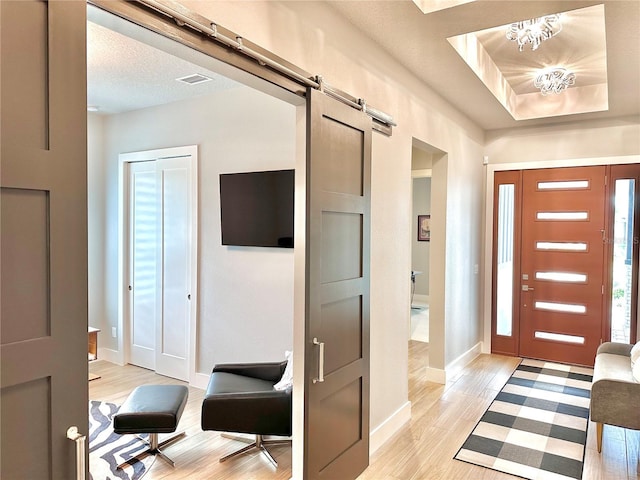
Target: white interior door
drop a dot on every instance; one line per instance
(174, 261)
(162, 186)
(142, 265)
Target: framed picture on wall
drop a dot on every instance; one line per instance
(424, 228)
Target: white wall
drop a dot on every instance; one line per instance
(245, 299)
(576, 141)
(96, 227)
(312, 36)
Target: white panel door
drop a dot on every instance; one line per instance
(143, 244)
(174, 261)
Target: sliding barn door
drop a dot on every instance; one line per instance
(43, 293)
(337, 338)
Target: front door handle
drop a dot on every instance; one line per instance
(320, 361)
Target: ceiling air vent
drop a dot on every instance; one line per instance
(194, 79)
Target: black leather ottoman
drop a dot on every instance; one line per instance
(152, 409)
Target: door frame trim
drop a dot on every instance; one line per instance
(173, 41)
(488, 216)
(122, 355)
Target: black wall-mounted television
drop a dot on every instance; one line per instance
(256, 208)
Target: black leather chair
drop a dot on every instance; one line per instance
(240, 398)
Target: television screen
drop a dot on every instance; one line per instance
(256, 208)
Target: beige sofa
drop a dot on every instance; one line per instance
(615, 393)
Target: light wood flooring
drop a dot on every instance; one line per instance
(442, 417)
(197, 454)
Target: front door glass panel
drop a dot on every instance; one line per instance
(504, 297)
(621, 294)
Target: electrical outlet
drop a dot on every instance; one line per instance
(114, 332)
(476, 269)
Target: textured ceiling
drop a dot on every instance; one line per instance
(125, 74)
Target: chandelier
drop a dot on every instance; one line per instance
(554, 80)
(534, 31)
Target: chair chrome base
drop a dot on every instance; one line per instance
(259, 444)
(154, 448)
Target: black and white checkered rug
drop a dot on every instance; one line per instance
(536, 427)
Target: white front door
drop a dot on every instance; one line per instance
(162, 259)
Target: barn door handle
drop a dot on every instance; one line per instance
(81, 442)
(320, 361)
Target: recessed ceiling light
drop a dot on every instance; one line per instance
(194, 79)
(93, 108)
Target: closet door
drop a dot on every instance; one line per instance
(143, 244)
(175, 250)
(162, 259)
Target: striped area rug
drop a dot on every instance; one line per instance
(536, 427)
(107, 449)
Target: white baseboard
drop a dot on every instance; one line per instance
(200, 380)
(197, 380)
(463, 360)
(386, 429)
(110, 355)
(438, 375)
